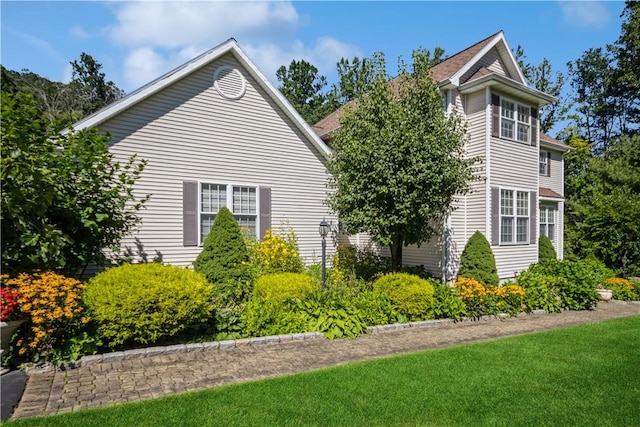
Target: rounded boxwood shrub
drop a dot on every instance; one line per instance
(280, 286)
(546, 251)
(411, 296)
(477, 261)
(224, 255)
(142, 303)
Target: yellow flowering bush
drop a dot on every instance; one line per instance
(623, 289)
(277, 252)
(483, 300)
(509, 298)
(52, 303)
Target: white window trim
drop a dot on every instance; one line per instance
(515, 121)
(549, 207)
(515, 216)
(229, 203)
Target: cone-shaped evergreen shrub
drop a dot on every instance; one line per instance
(224, 255)
(477, 261)
(546, 252)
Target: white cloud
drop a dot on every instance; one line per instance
(585, 13)
(175, 24)
(164, 35)
(143, 65)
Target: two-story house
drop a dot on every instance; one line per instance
(519, 193)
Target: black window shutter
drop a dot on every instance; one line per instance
(190, 213)
(495, 113)
(533, 217)
(495, 216)
(548, 163)
(265, 210)
(534, 126)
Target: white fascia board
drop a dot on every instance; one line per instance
(553, 146)
(455, 79)
(153, 87)
(176, 74)
(550, 199)
(511, 62)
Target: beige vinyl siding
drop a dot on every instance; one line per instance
(515, 165)
(556, 179)
(490, 60)
(189, 132)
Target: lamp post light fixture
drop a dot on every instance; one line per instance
(324, 231)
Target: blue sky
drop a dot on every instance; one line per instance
(138, 41)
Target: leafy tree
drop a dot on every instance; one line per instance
(627, 50)
(543, 79)
(224, 257)
(301, 84)
(398, 159)
(92, 89)
(355, 78)
(593, 79)
(604, 205)
(546, 251)
(477, 261)
(64, 198)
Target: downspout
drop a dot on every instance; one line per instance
(447, 226)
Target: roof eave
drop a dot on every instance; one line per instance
(533, 95)
(564, 148)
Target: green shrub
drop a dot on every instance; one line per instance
(541, 291)
(142, 303)
(273, 309)
(224, 256)
(375, 308)
(262, 318)
(280, 286)
(335, 317)
(447, 304)
(546, 251)
(411, 296)
(576, 281)
(477, 261)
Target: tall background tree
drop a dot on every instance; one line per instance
(354, 78)
(398, 159)
(543, 78)
(602, 173)
(303, 87)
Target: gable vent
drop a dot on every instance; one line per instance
(229, 82)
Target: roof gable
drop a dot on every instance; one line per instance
(157, 85)
(464, 61)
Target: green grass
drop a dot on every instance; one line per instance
(585, 375)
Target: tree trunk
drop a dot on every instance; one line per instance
(396, 252)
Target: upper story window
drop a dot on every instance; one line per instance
(241, 201)
(545, 163)
(513, 120)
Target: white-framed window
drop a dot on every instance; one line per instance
(515, 121)
(548, 214)
(514, 216)
(544, 163)
(241, 200)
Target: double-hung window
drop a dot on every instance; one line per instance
(514, 217)
(515, 121)
(544, 164)
(548, 221)
(240, 200)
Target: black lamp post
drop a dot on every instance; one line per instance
(324, 231)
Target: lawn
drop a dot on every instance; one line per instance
(585, 375)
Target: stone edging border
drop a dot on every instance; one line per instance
(273, 339)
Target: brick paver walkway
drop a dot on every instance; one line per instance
(112, 382)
